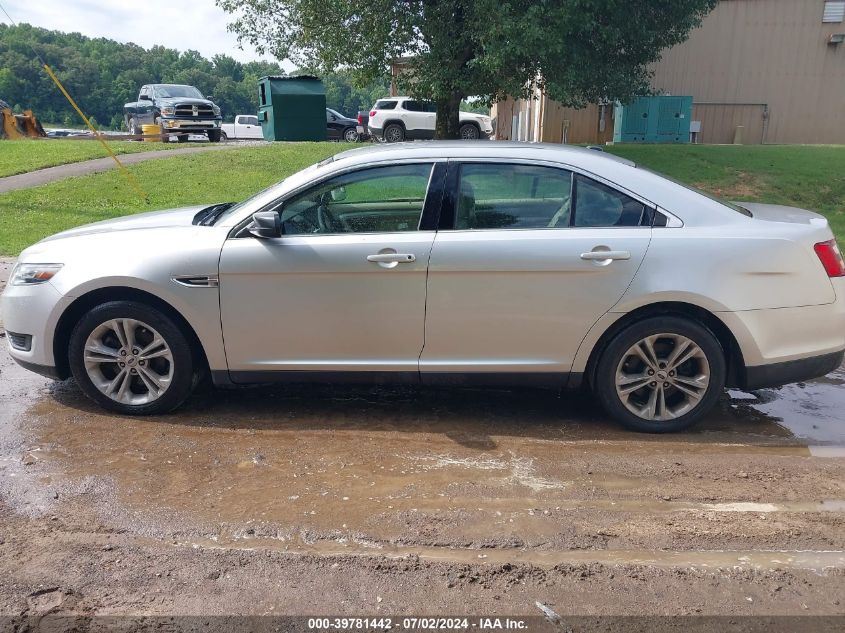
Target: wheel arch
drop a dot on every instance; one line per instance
(93, 298)
(398, 122)
(734, 360)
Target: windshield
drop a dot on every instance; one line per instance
(240, 205)
(168, 92)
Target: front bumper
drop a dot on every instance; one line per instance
(191, 124)
(33, 311)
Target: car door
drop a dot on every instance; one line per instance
(413, 116)
(533, 256)
(333, 126)
(146, 107)
(253, 128)
(343, 289)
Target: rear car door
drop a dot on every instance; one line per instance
(343, 289)
(532, 255)
(333, 126)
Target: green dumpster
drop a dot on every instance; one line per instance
(292, 108)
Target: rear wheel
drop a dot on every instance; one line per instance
(661, 375)
(350, 135)
(131, 358)
(133, 126)
(394, 133)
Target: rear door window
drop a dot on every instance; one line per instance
(385, 105)
(512, 196)
(597, 205)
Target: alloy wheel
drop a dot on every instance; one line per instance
(394, 134)
(662, 377)
(128, 361)
(469, 133)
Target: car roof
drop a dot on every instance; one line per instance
(480, 149)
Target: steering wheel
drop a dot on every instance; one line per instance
(326, 221)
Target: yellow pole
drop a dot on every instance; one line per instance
(133, 181)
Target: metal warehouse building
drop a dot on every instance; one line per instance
(774, 67)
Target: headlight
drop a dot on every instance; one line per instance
(216, 110)
(31, 274)
(168, 110)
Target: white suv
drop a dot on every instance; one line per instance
(402, 118)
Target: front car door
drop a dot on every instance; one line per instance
(532, 257)
(343, 289)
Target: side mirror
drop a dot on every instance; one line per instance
(145, 98)
(266, 224)
(334, 118)
(209, 97)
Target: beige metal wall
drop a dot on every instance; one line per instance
(764, 65)
(772, 52)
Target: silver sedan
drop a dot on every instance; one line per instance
(433, 263)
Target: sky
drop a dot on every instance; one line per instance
(185, 24)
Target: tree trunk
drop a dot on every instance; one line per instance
(448, 117)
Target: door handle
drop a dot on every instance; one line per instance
(600, 256)
(392, 258)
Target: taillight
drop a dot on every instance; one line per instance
(360, 119)
(831, 258)
(372, 113)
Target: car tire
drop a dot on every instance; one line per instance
(133, 126)
(223, 136)
(214, 136)
(469, 132)
(350, 135)
(165, 137)
(640, 383)
(394, 133)
(154, 382)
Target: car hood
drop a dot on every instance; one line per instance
(150, 220)
(184, 101)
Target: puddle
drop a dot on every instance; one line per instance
(811, 560)
(813, 410)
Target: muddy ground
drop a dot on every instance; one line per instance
(371, 501)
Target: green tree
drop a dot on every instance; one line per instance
(103, 74)
(579, 51)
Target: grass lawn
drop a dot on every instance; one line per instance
(27, 215)
(811, 177)
(806, 176)
(18, 157)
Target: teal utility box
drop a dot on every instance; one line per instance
(660, 119)
(292, 108)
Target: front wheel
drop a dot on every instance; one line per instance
(131, 358)
(469, 132)
(661, 375)
(214, 136)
